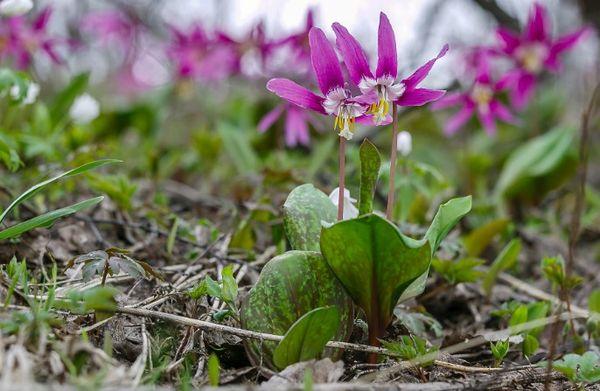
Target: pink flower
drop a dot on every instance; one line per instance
(20, 39)
(336, 100)
(383, 88)
(533, 51)
(296, 123)
(481, 100)
(199, 57)
(111, 27)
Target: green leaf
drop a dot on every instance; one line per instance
(229, 290)
(47, 219)
(208, 286)
(537, 166)
(499, 350)
(238, 148)
(594, 301)
(36, 188)
(478, 239)
(214, 370)
(63, 101)
(375, 263)
(580, 369)
(307, 337)
(289, 286)
(504, 261)
(463, 270)
(409, 347)
(445, 219)
(370, 163)
(303, 211)
(530, 345)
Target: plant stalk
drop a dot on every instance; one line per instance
(393, 154)
(342, 178)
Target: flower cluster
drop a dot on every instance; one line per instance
(367, 96)
(531, 53)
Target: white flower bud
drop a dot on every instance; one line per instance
(84, 109)
(15, 7)
(404, 143)
(33, 90)
(350, 211)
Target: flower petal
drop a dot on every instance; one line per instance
(449, 100)
(387, 63)
(510, 41)
(522, 93)
(488, 121)
(296, 128)
(563, 44)
(420, 74)
(269, 119)
(502, 112)
(419, 97)
(459, 119)
(352, 53)
(296, 94)
(537, 24)
(324, 61)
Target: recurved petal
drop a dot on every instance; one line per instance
(296, 94)
(419, 97)
(352, 53)
(387, 63)
(296, 128)
(413, 80)
(456, 122)
(324, 61)
(269, 119)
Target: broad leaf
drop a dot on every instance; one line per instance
(47, 219)
(581, 369)
(375, 263)
(370, 163)
(445, 219)
(34, 189)
(307, 337)
(289, 286)
(538, 166)
(303, 211)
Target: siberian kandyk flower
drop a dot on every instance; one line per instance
(337, 100)
(533, 52)
(382, 89)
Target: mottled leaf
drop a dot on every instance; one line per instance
(307, 337)
(289, 286)
(303, 211)
(375, 263)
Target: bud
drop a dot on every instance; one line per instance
(84, 109)
(15, 7)
(404, 143)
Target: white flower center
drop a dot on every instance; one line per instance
(387, 92)
(482, 95)
(532, 56)
(337, 104)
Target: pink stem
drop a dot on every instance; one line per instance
(342, 177)
(393, 154)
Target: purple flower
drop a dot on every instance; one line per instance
(336, 99)
(533, 51)
(298, 44)
(20, 39)
(481, 100)
(296, 123)
(382, 88)
(199, 57)
(111, 26)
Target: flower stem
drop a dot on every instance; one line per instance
(342, 178)
(394, 152)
